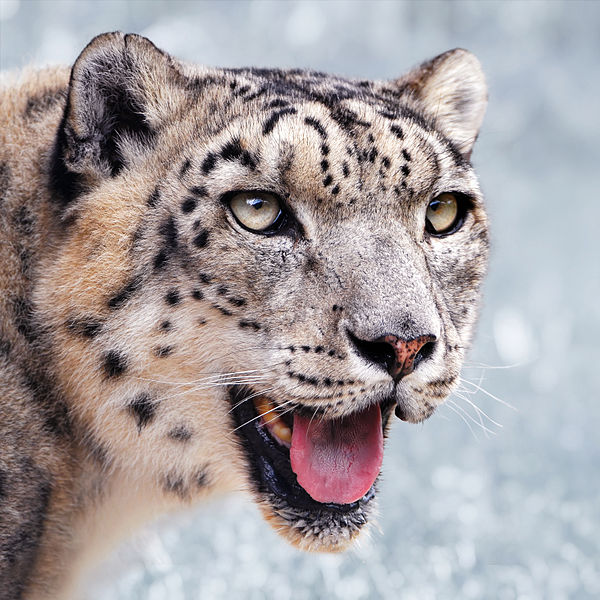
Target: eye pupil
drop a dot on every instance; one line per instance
(259, 212)
(443, 214)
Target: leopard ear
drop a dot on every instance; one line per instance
(452, 89)
(118, 96)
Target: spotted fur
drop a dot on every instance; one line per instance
(132, 303)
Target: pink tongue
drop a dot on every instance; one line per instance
(337, 461)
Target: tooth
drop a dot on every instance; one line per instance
(282, 431)
(263, 406)
(266, 410)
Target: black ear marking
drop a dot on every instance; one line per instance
(107, 122)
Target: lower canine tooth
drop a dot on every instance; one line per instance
(283, 432)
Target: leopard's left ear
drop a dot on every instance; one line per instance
(452, 89)
(120, 91)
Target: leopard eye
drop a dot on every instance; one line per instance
(443, 214)
(256, 211)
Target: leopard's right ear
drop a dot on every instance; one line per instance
(119, 94)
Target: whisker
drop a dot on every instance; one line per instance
(481, 389)
(217, 358)
(213, 376)
(479, 410)
(273, 388)
(469, 365)
(449, 404)
(210, 386)
(251, 397)
(463, 392)
(258, 393)
(479, 417)
(258, 416)
(312, 418)
(470, 417)
(285, 412)
(466, 391)
(290, 401)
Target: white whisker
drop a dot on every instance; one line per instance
(478, 410)
(470, 417)
(479, 416)
(312, 418)
(468, 365)
(211, 386)
(449, 404)
(259, 416)
(213, 376)
(481, 389)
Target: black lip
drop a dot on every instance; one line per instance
(269, 461)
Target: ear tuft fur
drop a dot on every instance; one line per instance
(452, 89)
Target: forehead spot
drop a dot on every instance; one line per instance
(397, 131)
(115, 363)
(201, 240)
(274, 118)
(185, 167)
(172, 298)
(317, 125)
(188, 205)
(209, 163)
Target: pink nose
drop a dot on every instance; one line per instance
(405, 353)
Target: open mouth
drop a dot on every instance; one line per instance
(310, 463)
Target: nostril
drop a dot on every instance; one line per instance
(399, 357)
(379, 353)
(424, 353)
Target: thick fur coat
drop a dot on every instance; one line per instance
(140, 314)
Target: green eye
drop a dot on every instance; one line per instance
(256, 211)
(442, 214)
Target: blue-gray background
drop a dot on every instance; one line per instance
(464, 513)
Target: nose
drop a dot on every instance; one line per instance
(398, 356)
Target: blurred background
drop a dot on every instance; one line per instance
(497, 495)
